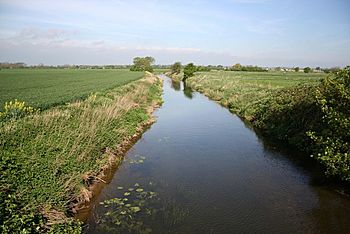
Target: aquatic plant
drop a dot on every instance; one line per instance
(127, 211)
(137, 159)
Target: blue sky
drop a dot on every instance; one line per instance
(257, 32)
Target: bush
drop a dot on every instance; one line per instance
(332, 140)
(15, 110)
(307, 70)
(189, 70)
(176, 68)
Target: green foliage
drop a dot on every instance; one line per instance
(45, 88)
(288, 113)
(331, 70)
(333, 138)
(296, 69)
(28, 220)
(44, 155)
(123, 213)
(14, 110)
(249, 68)
(310, 113)
(71, 226)
(176, 68)
(203, 68)
(189, 70)
(307, 69)
(237, 67)
(143, 64)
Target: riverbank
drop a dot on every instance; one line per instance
(52, 160)
(312, 116)
(196, 152)
(175, 77)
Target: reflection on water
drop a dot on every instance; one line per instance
(201, 170)
(188, 92)
(176, 85)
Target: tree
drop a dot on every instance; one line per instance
(176, 68)
(143, 64)
(237, 67)
(189, 70)
(307, 69)
(296, 69)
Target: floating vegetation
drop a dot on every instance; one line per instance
(126, 212)
(138, 159)
(165, 139)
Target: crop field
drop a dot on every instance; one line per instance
(268, 79)
(44, 88)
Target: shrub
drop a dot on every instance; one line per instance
(15, 109)
(189, 70)
(332, 140)
(176, 68)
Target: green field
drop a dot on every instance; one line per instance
(44, 88)
(241, 91)
(272, 79)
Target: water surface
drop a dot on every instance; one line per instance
(199, 169)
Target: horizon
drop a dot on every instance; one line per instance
(265, 33)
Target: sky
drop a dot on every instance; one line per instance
(251, 32)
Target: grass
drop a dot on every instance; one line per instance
(47, 156)
(45, 88)
(241, 91)
(304, 110)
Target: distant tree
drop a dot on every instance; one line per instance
(189, 70)
(307, 69)
(203, 68)
(296, 69)
(176, 68)
(237, 67)
(143, 64)
(331, 70)
(318, 69)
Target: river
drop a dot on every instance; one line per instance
(200, 169)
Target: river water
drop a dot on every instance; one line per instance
(200, 169)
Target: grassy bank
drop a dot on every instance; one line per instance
(175, 77)
(50, 158)
(243, 91)
(309, 111)
(44, 88)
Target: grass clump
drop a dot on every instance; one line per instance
(309, 112)
(45, 155)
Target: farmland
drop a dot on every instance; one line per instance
(44, 88)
